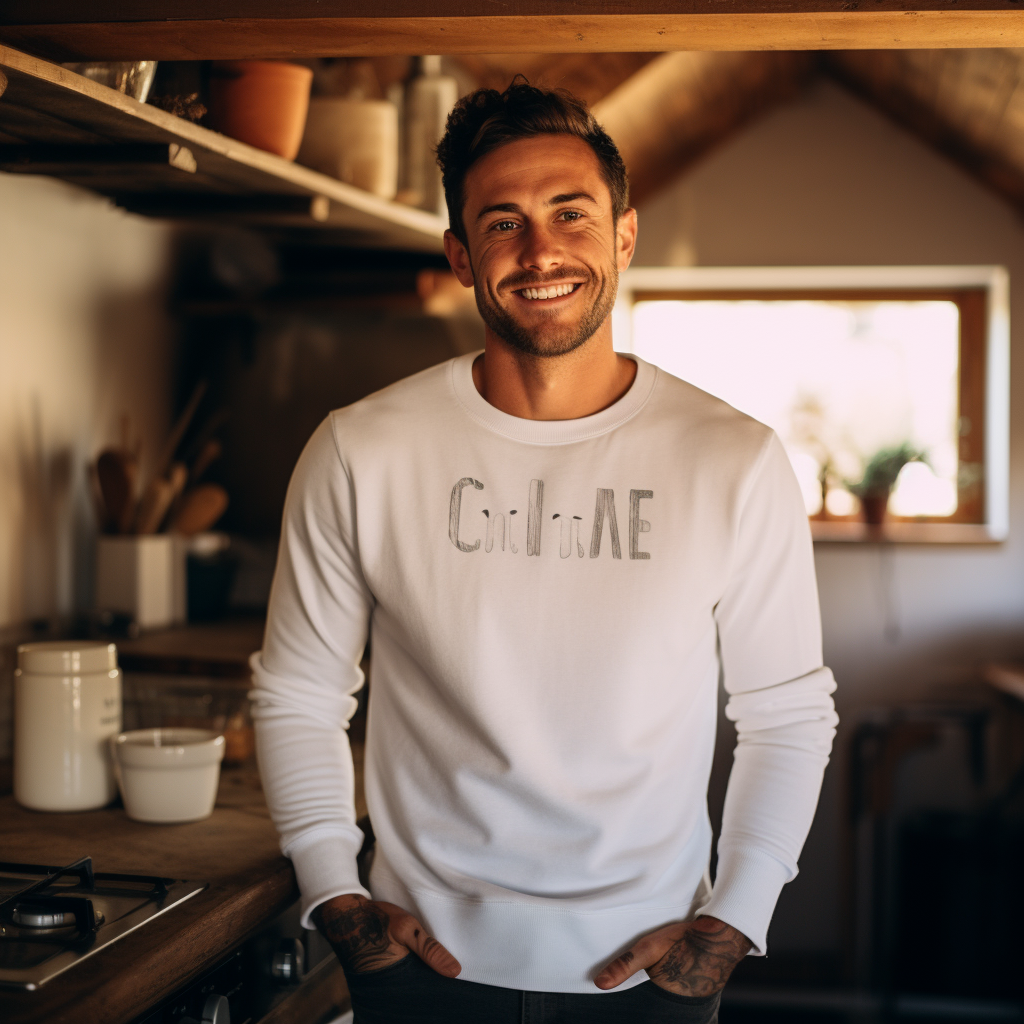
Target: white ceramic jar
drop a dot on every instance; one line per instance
(169, 775)
(67, 705)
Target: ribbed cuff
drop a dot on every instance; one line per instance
(747, 887)
(325, 866)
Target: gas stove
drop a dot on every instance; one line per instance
(51, 919)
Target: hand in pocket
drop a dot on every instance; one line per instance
(369, 935)
(692, 958)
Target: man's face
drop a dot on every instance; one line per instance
(544, 250)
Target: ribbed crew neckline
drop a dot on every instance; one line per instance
(550, 431)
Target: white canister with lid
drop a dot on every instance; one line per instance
(67, 705)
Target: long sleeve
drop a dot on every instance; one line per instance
(306, 674)
(779, 697)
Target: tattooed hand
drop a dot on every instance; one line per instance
(691, 959)
(368, 935)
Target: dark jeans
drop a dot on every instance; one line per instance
(410, 991)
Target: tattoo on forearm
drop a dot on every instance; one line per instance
(359, 934)
(701, 961)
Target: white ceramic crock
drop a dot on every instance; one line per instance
(67, 705)
(168, 775)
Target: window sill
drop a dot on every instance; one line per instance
(824, 531)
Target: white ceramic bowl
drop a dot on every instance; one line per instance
(168, 775)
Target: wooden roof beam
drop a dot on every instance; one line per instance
(65, 30)
(681, 105)
(968, 104)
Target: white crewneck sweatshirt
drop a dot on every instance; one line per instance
(551, 605)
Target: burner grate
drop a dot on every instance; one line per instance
(53, 918)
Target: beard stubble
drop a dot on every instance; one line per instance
(547, 340)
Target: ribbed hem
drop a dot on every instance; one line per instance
(325, 866)
(526, 946)
(550, 431)
(746, 890)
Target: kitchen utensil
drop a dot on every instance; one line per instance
(168, 775)
(355, 140)
(208, 454)
(132, 77)
(179, 428)
(67, 705)
(200, 509)
(158, 498)
(116, 471)
(261, 102)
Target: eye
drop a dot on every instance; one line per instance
(504, 225)
(570, 215)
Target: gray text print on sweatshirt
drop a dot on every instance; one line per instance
(498, 528)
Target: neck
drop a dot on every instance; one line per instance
(579, 383)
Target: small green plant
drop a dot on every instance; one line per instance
(883, 468)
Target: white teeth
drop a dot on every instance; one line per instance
(548, 293)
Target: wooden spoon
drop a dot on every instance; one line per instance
(158, 498)
(200, 509)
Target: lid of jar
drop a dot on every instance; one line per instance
(64, 657)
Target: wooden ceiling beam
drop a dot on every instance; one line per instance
(681, 105)
(968, 104)
(65, 30)
(589, 76)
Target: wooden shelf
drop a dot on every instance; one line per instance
(60, 124)
(830, 531)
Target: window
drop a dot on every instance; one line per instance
(850, 364)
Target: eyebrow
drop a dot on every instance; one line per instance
(564, 197)
(498, 208)
(570, 197)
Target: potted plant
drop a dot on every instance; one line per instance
(880, 474)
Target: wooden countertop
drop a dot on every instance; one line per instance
(219, 649)
(235, 851)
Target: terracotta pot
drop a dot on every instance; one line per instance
(873, 507)
(261, 102)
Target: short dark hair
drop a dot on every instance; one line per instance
(487, 119)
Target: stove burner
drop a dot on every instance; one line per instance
(38, 918)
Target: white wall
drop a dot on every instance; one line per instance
(826, 180)
(84, 339)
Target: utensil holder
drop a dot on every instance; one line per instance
(144, 577)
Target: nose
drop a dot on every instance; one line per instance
(541, 249)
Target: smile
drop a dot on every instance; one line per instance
(552, 291)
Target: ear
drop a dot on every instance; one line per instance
(458, 257)
(625, 238)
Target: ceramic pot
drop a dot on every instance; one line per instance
(261, 102)
(873, 507)
(355, 141)
(168, 775)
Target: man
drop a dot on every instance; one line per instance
(556, 551)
